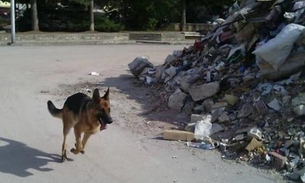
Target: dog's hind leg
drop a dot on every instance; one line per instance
(66, 130)
(78, 144)
(87, 135)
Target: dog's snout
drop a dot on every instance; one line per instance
(109, 121)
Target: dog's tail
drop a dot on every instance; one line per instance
(54, 111)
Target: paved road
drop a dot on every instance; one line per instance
(30, 139)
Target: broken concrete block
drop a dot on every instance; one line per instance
(171, 71)
(254, 144)
(285, 100)
(144, 72)
(198, 109)
(138, 64)
(245, 111)
(216, 128)
(188, 106)
(201, 92)
(178, 135)
(299, 110)
(176, 100)
(279, 161)
(223, 118)
(197, 117)
(170, 58)
(298, 104)
(159, 71)
(207, 104)
(184, 82)
(274, 104)
(216, 113)
(239, 137)
(218, 105)
(231, 99)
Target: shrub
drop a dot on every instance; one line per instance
(52, 19)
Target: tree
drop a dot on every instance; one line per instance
(34, 13)
(90, 5)
(91, 15)
(183, 17)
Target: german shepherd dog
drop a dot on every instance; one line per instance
(87, 115)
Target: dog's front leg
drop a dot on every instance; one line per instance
(87, 135)
(78, 145)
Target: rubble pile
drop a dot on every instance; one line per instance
(243, 85)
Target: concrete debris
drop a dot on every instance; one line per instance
(178, 135)
(138, 65)
(176, 100)
(248, 75)
(197, 117)
(204, 91)
(274, 104)
(231, 99)
(279, 160)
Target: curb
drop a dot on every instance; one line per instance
(69, 43)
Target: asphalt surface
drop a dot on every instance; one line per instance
(30, 139)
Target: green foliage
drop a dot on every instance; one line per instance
(23, 24)
(121, 14)
(104, 24)
(146, 14)
(53, 19)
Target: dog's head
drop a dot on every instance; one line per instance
(102, 108)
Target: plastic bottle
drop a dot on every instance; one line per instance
(201, 145)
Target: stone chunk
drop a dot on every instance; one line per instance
(138, 65)
(197, 117)
(176, 100)
(170, 58)
(207, 104)
(201, 92)
(223, 118)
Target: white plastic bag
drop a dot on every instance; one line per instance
(203, 128)
(278, 49)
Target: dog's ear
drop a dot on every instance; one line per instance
(106, 95)
(96, 95)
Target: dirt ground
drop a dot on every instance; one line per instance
(130, 150)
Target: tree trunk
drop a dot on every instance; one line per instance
(91, 15)
(35, 26)
(183, 17)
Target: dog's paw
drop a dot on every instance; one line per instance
(82, 151)
(74, 151)
(64, 157)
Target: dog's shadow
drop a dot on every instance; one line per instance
(17, 158)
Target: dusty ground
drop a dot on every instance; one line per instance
(130, 150)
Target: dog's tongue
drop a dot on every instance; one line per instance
(103, 127)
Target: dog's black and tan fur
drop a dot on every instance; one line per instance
(87, 115)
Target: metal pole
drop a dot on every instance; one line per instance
(13, 21)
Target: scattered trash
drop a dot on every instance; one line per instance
(243, 83)
(203, 128)
(94, 73)
(200, 145)
(178, 135)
